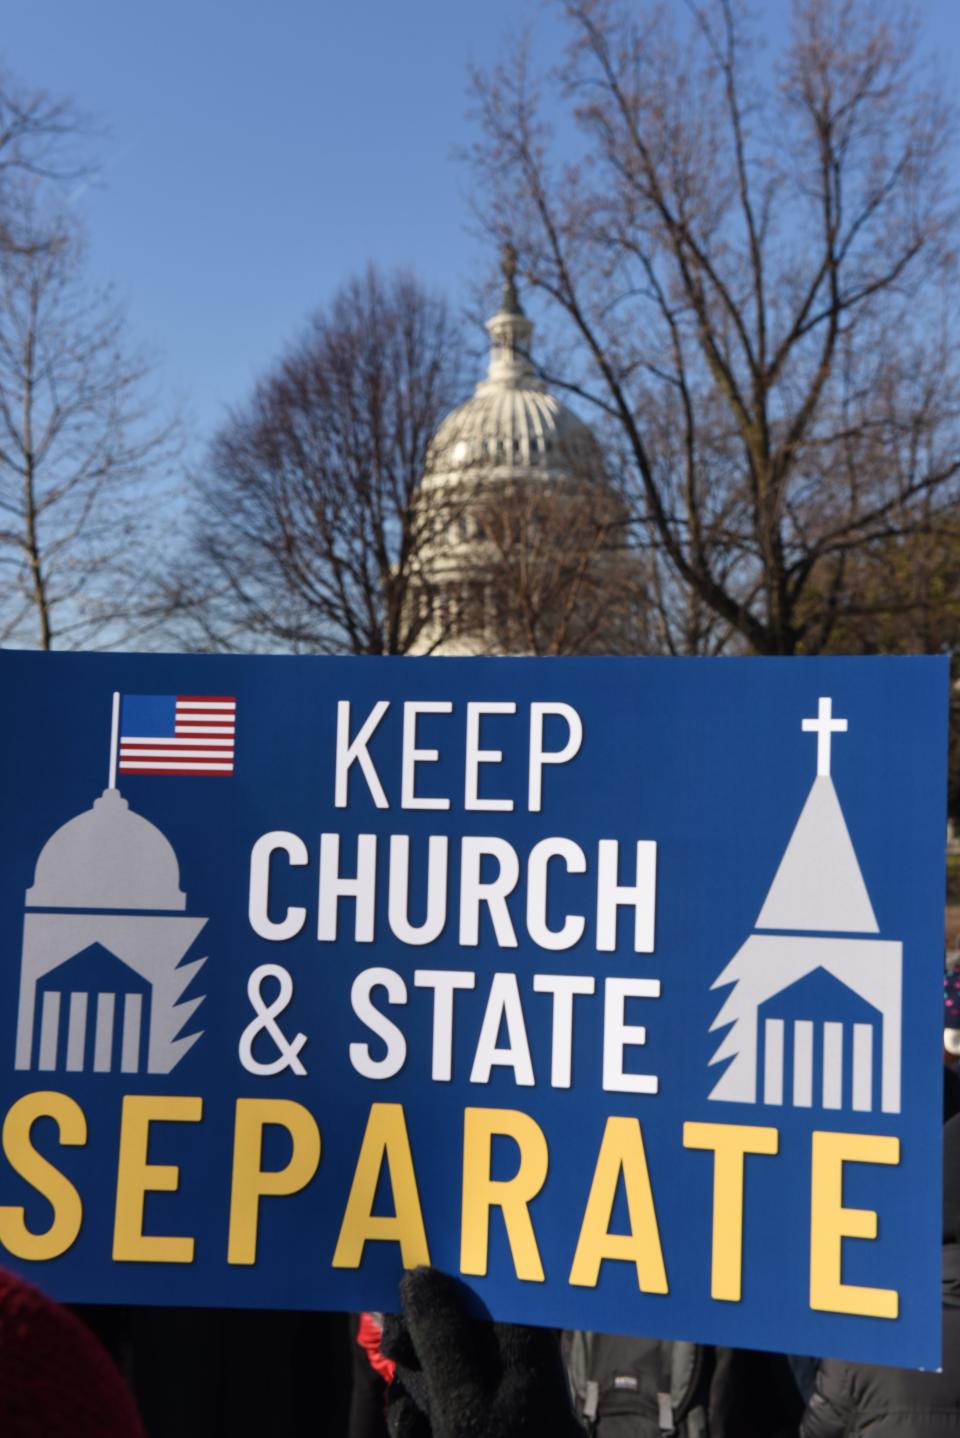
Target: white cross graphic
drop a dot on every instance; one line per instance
(824, 726)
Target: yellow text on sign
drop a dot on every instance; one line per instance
(385, 1149)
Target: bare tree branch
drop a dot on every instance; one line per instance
(306, 530)
(753, 265)
(83, 465)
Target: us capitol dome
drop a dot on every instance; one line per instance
(511, 449)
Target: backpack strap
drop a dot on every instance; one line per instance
(664, 1391)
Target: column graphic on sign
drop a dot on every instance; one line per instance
(101, 982)
(813, 1018)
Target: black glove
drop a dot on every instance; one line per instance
(458, 1377)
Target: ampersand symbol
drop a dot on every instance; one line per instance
(287, 1050)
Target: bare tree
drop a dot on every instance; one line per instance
(905, 595)
(307, 528)
(750, 262)
(43, 138)
(905, 599)
(80, 456)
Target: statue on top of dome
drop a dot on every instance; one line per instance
(510, 300)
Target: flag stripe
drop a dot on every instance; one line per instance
(145, 768)
(177, 763)
(220, 757)
(177, 743)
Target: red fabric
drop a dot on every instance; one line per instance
(369, 1333)
(55, 1376)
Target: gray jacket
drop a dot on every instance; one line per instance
(854, 1399)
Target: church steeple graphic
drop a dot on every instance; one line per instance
(819, 887)
(816, 926)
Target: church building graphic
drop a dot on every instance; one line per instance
(816, 949)
(101, 982)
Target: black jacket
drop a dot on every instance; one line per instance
(851, 1399)
(625, 1387)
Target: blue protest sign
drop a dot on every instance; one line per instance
(612, 986)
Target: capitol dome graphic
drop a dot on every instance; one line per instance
(816, 942)
(105, 930)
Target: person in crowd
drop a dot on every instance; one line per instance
(457, 1377)
(951, 1017)
(854, 1399)
(629, 1387)
(56, 1379)
(372, 1373)
(951, 1043)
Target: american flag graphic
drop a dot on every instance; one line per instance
(177, 733)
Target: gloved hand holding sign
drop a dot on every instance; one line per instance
(458, 1377)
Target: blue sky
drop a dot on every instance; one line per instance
(257, 154)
